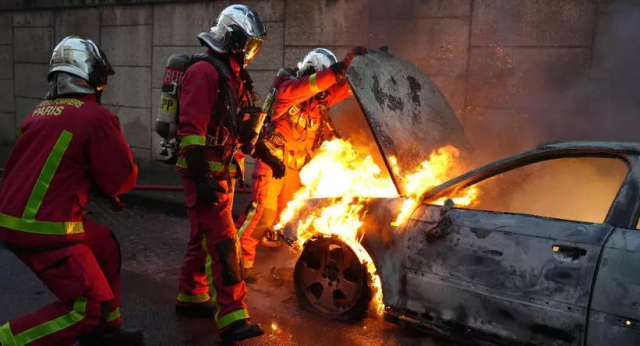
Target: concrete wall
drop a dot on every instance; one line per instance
(517, 72)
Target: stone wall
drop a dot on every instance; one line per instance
(517, 72)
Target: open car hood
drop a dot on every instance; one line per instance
(407, 114)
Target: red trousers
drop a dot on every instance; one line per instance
(84, 277)
(212, 266)
(269, 197)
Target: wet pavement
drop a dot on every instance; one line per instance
(153, 233)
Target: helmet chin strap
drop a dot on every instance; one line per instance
(239, 58)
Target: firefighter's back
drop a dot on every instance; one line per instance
(47, 176)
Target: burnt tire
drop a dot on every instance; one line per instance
(331, 281)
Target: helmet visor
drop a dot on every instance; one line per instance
(251, 49)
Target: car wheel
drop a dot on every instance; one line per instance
(330, 280)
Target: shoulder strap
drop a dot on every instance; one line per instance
(226, 108)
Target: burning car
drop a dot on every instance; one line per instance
(539, 248)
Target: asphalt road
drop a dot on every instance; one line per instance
(153, 234)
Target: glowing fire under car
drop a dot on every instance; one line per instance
(381, 227)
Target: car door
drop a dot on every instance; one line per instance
(509, 272)
(614, 312)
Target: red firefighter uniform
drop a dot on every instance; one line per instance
(213, 244)
(297, 118)
(65, 146)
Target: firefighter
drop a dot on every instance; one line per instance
(214, 137)
(299, 124)
(68, 146)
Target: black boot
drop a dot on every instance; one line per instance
(241, 330)
(197, 310)
(113, 336)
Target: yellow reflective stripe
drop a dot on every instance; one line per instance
(40, 227)
(114, 315)
(192, 140)
(6, 336)
(46, 175)
(232, 317)
(50, 327)
(247, 221)
(198, 298)
(313, 85)
(209, 273)
(213, 166)
(247, 264)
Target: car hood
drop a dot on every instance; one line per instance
(407, 114)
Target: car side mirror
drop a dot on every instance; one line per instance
(448, 204)
(443, 227)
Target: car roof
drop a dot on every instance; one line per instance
(622, 147)
(540, 153)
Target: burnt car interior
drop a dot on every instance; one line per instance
(577, 189)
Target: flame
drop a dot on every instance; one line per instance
(349, 179)
(441, 166)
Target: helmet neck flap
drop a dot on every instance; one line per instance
(63, 83)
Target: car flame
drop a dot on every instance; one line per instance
(350, 178)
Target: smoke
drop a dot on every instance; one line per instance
(546, 94)
(577, 96)
(615, 83)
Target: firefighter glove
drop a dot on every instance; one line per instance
(197, 165)
(352, 54)
(277, 166)
(198, 168)
(339, 70)
(207, 191)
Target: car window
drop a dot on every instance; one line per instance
(579, 189)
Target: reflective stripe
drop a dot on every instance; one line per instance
(46, 175)
(18, 133)
(30, 335)
(6, 336)
(228, 318)
(247, 221)
(247, 264)
(313, 85)
(198, 298)
(213, 165)
(209, 273)
(114, 315)
(28, 223)
(192, 140)
(40, 227)
(232, 317)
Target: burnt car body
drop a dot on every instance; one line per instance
(502, 277)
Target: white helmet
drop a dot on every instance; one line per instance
(316, 60)
(239, 30)
(78, 66)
